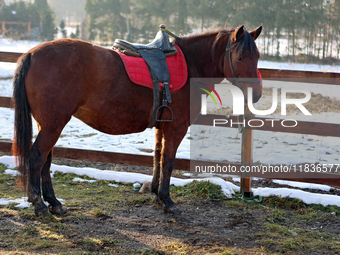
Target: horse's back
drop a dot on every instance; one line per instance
(69, 62)
(72, 77)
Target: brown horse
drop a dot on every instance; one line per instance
(64, 78)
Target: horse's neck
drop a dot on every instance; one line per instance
(198, 54)
(201, 64)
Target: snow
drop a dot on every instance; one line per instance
(307, 197)
(21, 46)
(77, 179)
(22, 202)
(228, 188)
(128, 177)
(269, 147)
(298, 66)
(303, 185)
(12, 172)
(8, 161)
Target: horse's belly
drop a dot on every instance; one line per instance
(116, 121)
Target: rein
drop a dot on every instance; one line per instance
(236, 80)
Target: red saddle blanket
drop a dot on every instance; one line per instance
(139, 73)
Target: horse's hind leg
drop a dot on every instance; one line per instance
(47, 188)
(156, 163)
(38, 156)
(36, 161)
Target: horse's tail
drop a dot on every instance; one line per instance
(22, 140)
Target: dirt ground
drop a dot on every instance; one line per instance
(134, 224)
(202, 227)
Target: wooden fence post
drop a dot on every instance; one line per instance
(248, 156)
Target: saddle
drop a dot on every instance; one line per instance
(161, 42)
(154, 55)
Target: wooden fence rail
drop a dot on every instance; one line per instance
(180, 164)
(3, 27)
(9, 56)
(304, 127)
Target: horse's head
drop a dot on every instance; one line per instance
(239, 63)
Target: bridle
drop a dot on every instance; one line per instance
(236, 80)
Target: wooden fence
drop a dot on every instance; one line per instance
(304, 127)
(3, 27)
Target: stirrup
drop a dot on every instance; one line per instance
(162, 109)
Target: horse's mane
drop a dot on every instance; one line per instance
(246, 43)
(193, 37)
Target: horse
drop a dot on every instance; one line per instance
(68, 77)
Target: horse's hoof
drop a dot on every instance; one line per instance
(42, 212)
(158, 201)
(171, 209)
(57, 210)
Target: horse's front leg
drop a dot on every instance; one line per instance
(164, 187)
(171, 140)
(156, 163)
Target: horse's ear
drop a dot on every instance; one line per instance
(237, 35)
(256, 32)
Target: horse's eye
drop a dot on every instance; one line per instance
(239, 59)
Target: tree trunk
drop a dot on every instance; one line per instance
(293, 44)
(324, 45)
(273, 38)
(288, 44)
(331, 46)
(182, 16)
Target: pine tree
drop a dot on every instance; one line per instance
(47, 23)
(48, 26)
(62, 28)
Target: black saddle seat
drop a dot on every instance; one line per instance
(161, 42)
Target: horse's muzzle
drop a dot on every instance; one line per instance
(256, 97)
